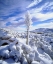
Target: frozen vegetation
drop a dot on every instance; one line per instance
(14, 50)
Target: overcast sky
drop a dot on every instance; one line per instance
(12, 14)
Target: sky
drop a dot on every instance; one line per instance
(12, 14)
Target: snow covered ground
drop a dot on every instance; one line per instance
(13, 48)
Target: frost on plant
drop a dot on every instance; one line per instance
(28, 22)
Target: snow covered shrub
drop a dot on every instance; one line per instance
(30, 57)
(15, 52)
(12, 47)
(18, 47)
(12, 39)
(26, 49)
(28, 54)
(4, 54)
(28, 22)
(35, 62)
(32, 42)
(5, 37)
(24, 61)
(15, 55)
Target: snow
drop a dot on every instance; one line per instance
(12, 39)
(26, 49)
(9, 61)
(12, 47)
(4, 41)
(5, 53)
(39, 50)
(35, 62)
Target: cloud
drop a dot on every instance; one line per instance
(9, 7)
(47, 8)
(18, 24)
(41, 16)
(32, 27)
(35, 2)
(2, 24)
(18, 28)
(43, 12)
(12, 13)
(15, 21)
(39, 3)
(43, 25)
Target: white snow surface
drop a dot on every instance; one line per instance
(16, 51)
